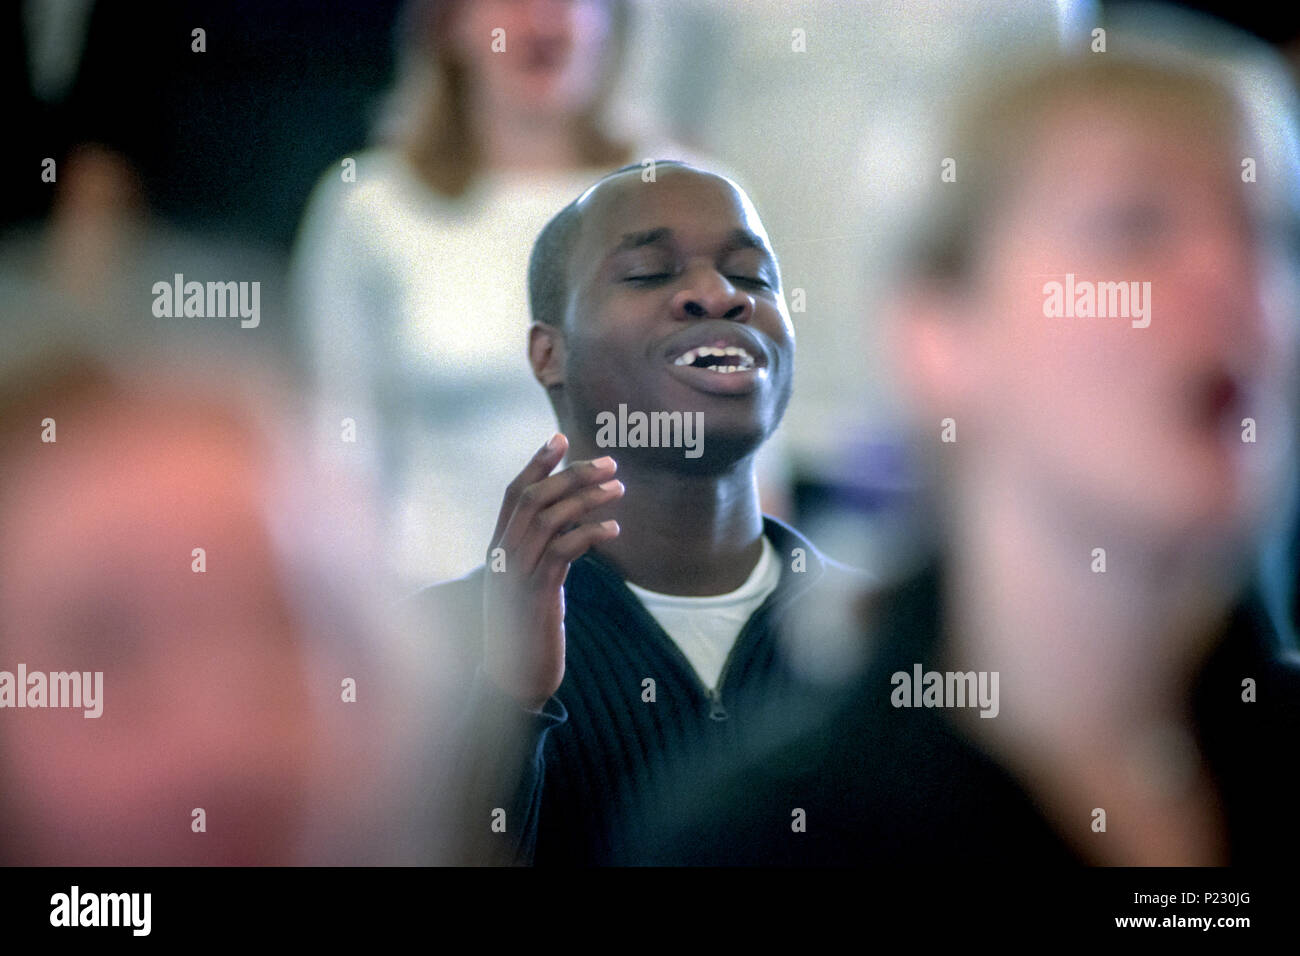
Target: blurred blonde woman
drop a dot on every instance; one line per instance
(1109, 685)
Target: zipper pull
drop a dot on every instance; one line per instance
(716, 710)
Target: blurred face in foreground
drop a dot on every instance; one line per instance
(1128, 418)
(204, 703)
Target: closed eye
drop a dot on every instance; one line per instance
(750, 280)
(649, 277)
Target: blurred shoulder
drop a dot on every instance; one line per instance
(447, 620)
(456, 598)
(360, 181)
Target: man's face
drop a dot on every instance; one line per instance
(676, 305)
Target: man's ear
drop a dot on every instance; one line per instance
(546, 354)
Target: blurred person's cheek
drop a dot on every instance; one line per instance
(589, 54)
(1054, 398)
(204, 703)
(208, 712)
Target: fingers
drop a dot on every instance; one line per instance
(561, 516)
(541, 495)
(541, 465)
(566, 548)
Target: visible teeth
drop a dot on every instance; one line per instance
(707, 351)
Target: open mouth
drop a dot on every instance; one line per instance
(724, 360)
(719, 358)
(1217, 394)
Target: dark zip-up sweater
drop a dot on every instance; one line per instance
(554, 787)
(897, 787)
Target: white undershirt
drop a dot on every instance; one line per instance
(706, 628)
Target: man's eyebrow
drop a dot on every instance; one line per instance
(649, 237)
(744, 239)
(736, 240)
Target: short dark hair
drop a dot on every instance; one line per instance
(548, 264)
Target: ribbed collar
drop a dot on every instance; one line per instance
(597, 583)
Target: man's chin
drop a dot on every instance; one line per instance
(708, 453)
(691, 434)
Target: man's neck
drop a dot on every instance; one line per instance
(692, 535)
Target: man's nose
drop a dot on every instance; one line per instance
(710, 295)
